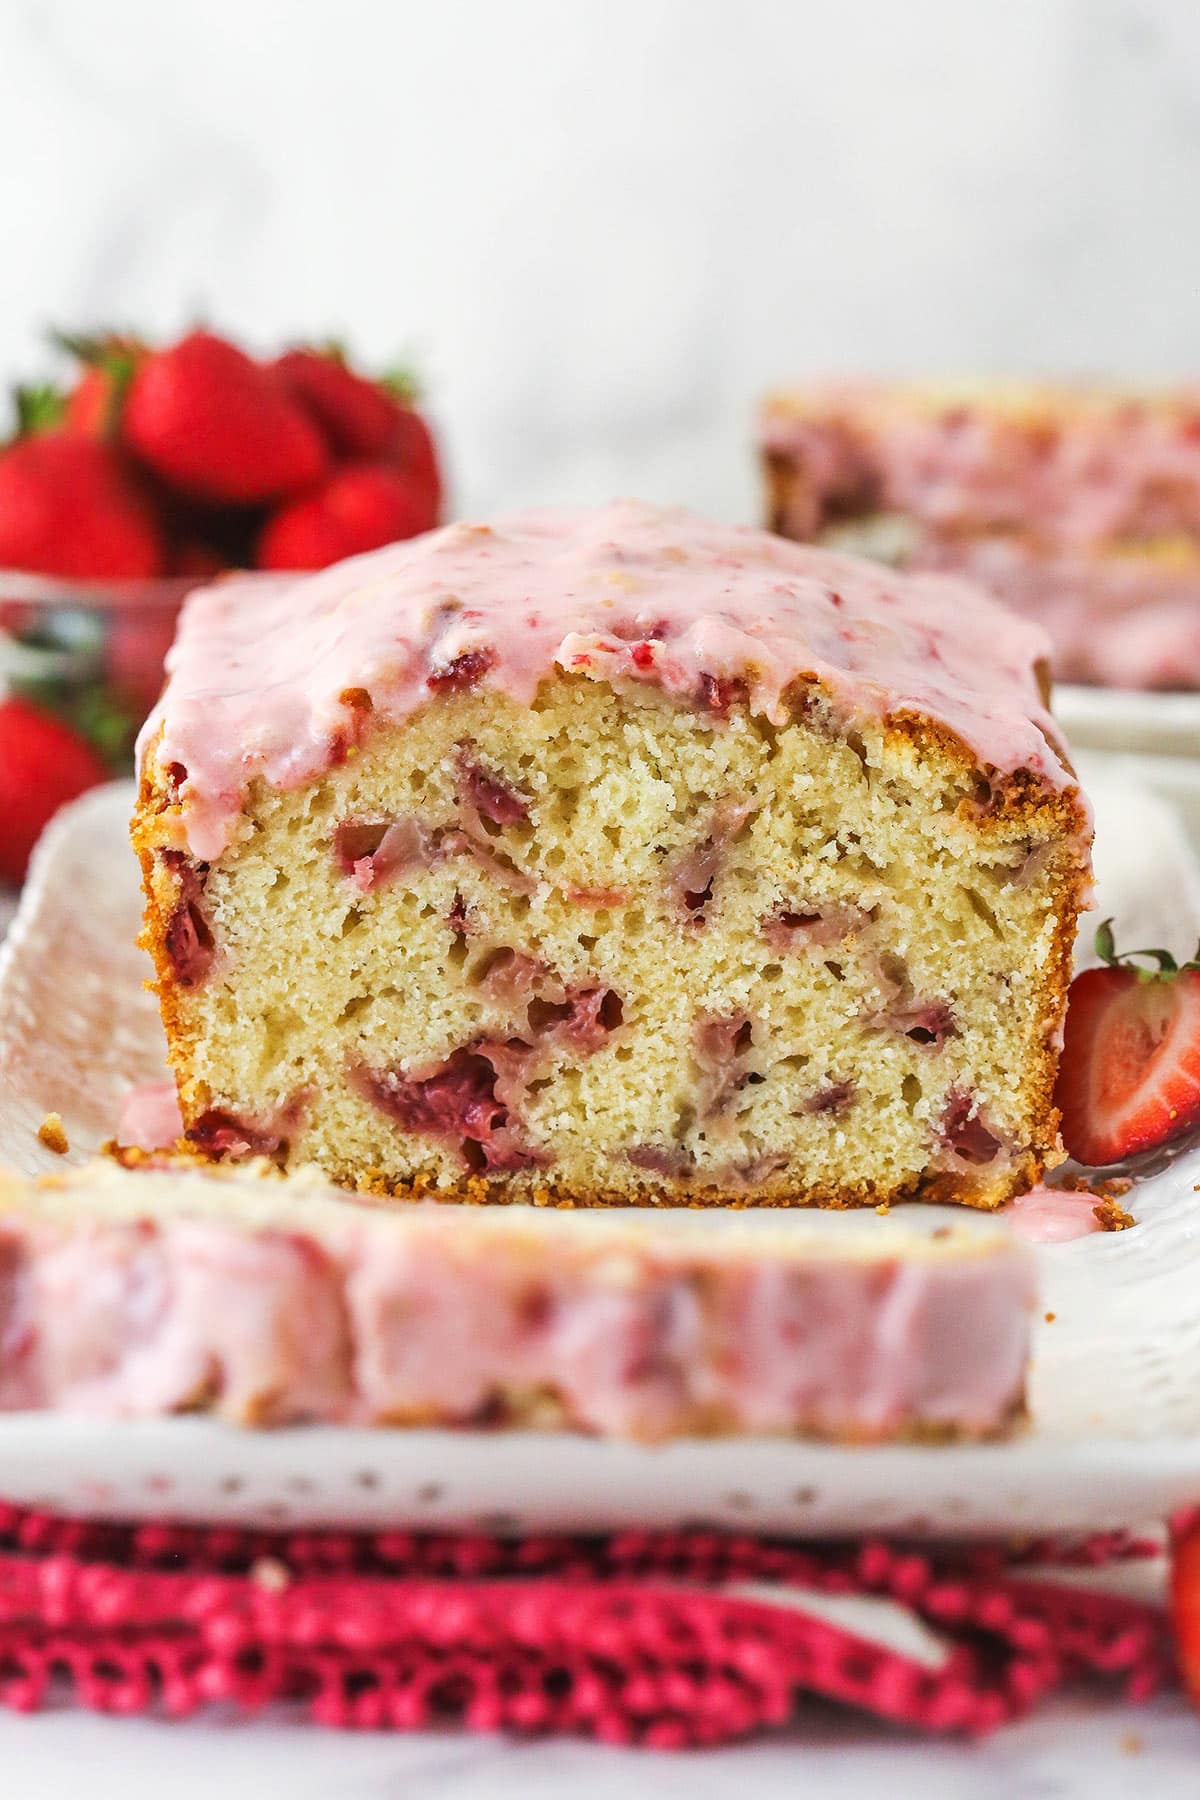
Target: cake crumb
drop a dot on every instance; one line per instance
(1133, 1743)
(269, 1573)
(883, 1209)
(1111, 1216)
(1113, 1187)
(52, 1134)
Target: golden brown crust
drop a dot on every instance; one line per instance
(157, 826)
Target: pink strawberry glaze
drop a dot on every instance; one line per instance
(149, 1118)
(1052, 1216)
(1073, 467)
(265, 673)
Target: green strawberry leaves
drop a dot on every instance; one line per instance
(1165, 967)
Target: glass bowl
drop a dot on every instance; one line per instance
(91, 652)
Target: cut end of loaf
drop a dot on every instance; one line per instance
(612, 948)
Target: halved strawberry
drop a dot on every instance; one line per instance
(1129, 1076)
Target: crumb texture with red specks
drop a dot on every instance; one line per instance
(614, 947)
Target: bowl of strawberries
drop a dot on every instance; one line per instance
(147, 471)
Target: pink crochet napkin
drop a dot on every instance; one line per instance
(664, 1639)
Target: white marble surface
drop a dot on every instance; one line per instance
(1070, 1751)
(603, 226)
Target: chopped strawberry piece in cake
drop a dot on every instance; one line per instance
(718, 696)
(224, 1136)
(465, 671)
(456, 1104)
(489, 794)
(372, 852)
(720, 1047)
(835, 1098)
(694, 874)
(964, 1133)
(796, 929)
(187, 938)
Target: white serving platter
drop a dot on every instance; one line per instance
(1124, 719)
(1115, 1389)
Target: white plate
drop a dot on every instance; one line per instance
(1115, 1436)
(1124, 719)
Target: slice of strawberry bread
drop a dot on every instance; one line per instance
(614, 856)
(1078, 506)
(137, 1293)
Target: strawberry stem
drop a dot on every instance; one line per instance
(38, 408)
(84, 348)
(1166, 966)
(402, 385)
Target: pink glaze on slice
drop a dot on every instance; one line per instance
(123, 1318)
(328, 1310)
(1052, 1215)
(150, 1118)
(260, 670)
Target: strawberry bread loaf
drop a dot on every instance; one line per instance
(1078, 506)
(613, 856)
(132, 1293)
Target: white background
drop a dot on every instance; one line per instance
(602, 226)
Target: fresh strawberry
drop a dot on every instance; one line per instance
(364, 419)
(93, 405)
(1129, 1076)
(356, 416)
(413, 451)
(218, 426)
(69, 506)
(43, 764)
(359, 508)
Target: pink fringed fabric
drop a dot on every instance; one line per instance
(664, 1639)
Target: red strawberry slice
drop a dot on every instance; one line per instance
(43, 764)
(218, 426)
(1129, 1076)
